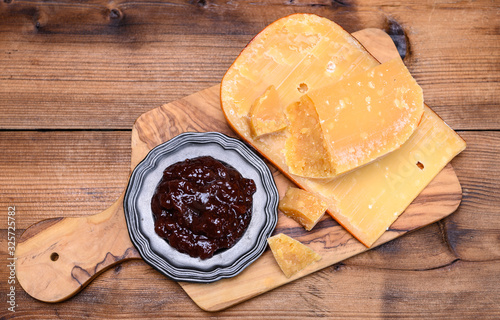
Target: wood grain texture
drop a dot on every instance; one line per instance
(477, 238)
(43, 172)
(82, 65)
(123, 58)
(412, 267)
(58, 258)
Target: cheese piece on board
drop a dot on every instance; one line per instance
(367, 200)
(305, 150)
(303, 206)
(368, 115)
(291, 255)
(266, 114)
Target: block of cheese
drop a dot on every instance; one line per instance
(304, 207)
(368, 115)
(368, 200)
(301, 53)
(266, 114)
(291, 255)
(306, 153)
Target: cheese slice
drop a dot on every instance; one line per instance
(266, 114)
(291, 255)
(368, 115)
(301, 53)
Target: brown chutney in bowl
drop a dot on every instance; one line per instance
(202, 205)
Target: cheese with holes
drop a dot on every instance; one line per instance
(302, 53)
(305, 151)
(368, 115)
(304, 207)
(266, 114)
(291, 255)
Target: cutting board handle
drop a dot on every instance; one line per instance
(58, 257)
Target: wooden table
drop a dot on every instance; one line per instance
(74, 76)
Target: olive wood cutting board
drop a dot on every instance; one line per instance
(59, 257)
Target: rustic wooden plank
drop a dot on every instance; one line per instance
(62, 174)
(473, 232)
(114, 61)
(461, 40)
(133, 290)
(419, 260)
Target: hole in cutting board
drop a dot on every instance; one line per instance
(54, 256)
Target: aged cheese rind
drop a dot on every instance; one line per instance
(361, 185)
(290, 254)
(305, 151)
(368, 115)
(304, 207)
(266, 114)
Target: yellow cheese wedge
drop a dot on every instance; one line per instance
(291, 255)
(305, 149)
(266, 114)
(303, 206)
(368, 115)
(301, 53)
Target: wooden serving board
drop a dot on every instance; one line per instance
(59, 257)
